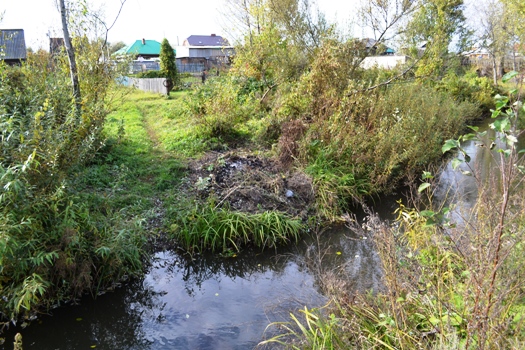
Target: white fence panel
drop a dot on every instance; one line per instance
(149, 84)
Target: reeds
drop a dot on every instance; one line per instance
(220, 230)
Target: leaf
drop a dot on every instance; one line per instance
(506, 152)
(501, 125)
(468, 137)
(456, 162)
(423, 186)
(474, 128)
(466, 172)
(495, 114)
(509, 76)
(427, 213)
(449, 144)
(338, 253)
(511, 140)
(427, 175)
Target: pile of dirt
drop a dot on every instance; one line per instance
(250, 183)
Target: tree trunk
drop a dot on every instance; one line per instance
(494, 71)
(72, 62)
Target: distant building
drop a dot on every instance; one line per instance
(478, 53)
(141, 49)
(205, 40)
(375, 48)
(200, 52)
(384, 61)
(12, 46)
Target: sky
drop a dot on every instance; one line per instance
(148, 19)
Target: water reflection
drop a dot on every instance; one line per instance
(205, 302)
(459, 188)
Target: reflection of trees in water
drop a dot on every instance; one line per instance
(112, 321)
(121, 327)
(339, 254)
(245, 265)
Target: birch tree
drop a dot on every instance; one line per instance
(71, 57)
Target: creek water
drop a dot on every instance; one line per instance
(224, 303)
(205, 303)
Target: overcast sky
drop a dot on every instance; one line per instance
(149, 19)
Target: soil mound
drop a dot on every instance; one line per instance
(250, 183)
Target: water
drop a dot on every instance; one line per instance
(208, 303)
(227, 303)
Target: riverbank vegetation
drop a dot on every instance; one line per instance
(293, 136)
(452, 277)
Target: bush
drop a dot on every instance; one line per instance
(152, 74)
(52, 247)
(470, 87)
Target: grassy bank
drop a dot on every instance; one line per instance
(449, 282)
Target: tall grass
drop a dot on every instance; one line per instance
(54, 246)
(221, 230)
(446, 284)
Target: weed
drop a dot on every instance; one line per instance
(222, 230)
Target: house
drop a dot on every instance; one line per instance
(200, 52)
(376, 48)
(384, 61)
(12, 46)
(141, 49)
(205, 40)
(378, 55)
(146, 54)
(477, 53)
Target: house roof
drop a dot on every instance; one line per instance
(206, 40)
(372, 43)
(12, 44)
(476, 51)
(141, 47)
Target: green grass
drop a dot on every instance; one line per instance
(134, 169)
(143, 165)
(221, 230)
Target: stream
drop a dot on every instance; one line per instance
(225, 303)
(207, 303)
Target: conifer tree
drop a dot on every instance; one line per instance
(168, 65)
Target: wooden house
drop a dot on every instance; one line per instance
(12, 46)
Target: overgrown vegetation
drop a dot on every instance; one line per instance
(54, 246)
(299, 120)
(450, 281)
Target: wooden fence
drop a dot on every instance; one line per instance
(146, 84)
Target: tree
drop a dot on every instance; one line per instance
(71, 56)
(495, 37)
(168, 64)
(385, 17)
(436, 23)
(114, 47)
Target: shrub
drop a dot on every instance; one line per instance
(152, 74)
(51, 246)
(469, 87)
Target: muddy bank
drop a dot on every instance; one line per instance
(251, 183)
